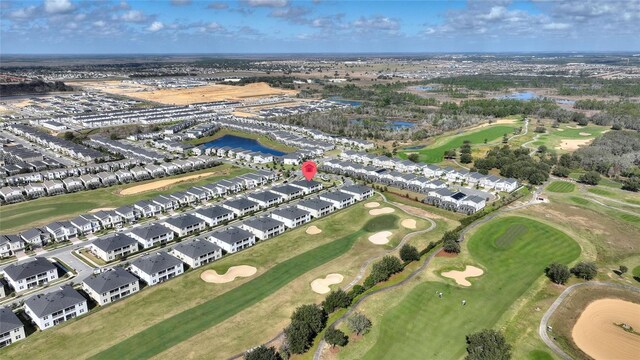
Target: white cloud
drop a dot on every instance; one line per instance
(377, 23)
(180, 2)
(99, 24)
(218, 5)
(155, 26)
(23, 13)
(58, 6)
(266, 3)
(556, 26)
(134, 16)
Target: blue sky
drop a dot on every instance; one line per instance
(317, 26)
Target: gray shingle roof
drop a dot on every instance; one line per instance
(231, 235)
(8, 320)
(113, 242)
(262, 223)
(314, 203)
(214, 211)
(150, 231)
(109, 280)
(306, 184)
(154, 263)
(336, 196)
(286, 189)
(264, 196)
(184, 220)
(196, 248)
(33, 267)
(356, 189)
(240, 204)
(49, 303)
(290, 212)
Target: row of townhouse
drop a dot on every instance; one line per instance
(112, 247)
(258, 157)
(90, 223)
(60, 305)
(155, 115)
(57, 144)
(449, 174)
(127, 149)
(65, 172)
(455, 200)
(89, 181)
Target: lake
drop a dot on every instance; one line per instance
(340, 100)
(233, 141)
(389, 124)
(529, 95)
(424, 88)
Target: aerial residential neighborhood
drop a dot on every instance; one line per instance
(276, 179)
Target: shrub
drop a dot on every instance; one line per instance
(262, 353)
(590, 178)
(335, 337)
(409, 253)
(558, 273)
(335, 300)
(359, 323)
(487, 345)
(585, 270)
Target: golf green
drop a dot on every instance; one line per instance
(561, 187)
(423, 326)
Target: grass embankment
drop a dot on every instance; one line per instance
(561, 187)
(420, 325)
(243, 327)
(435, 153)
(21, 216)
(263, 140)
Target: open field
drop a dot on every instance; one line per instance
(415, 323)
(564, 319)
(18, 217)
(263, 140)
(283, 265)
(434, 153)
(561, 187)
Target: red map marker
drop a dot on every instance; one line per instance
(309, 170)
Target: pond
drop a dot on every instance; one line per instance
(389, 124)
(340, 100)
(524, 96)
(233, 141)
(424, 88)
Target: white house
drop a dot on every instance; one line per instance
(29, 274)
(339, 199)
(232, 239)
(11, 328)
(291, 216)
(114, 246)
(316, 207)
(185, 224)
(156, 268)
(360, 192)
(263, 227)
(110, 285)
(214, 215)
(151, 235)
(197, 252)
(51, 309)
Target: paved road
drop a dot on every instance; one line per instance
(542, 329)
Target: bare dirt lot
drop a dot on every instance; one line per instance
(599, 334)
(188, 96)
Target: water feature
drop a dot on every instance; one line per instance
(400, 125)
(340, 100)
(424, 88)
(233, 141)
(389, 124)
(523, 95)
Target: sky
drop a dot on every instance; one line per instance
(316, 26)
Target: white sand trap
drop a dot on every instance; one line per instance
(313, 230)
(211, 276)
(321, 286)
(384, 210)
(372, 204)
(596, 332)
(573, 144)
(102, 209)
(380, 238)
(461, 276)
(409, 223)
(559, 129)
(584, 134)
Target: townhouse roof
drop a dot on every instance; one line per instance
(196, 248)
(336, 196)
(113, 242)
(157, 262)
(38, 265)
(213, 212)
(110, 279)
(290, 212)
(45, 304)
(356, 189)
(264, 196)
(183, 221)
(286, 189)
(231, 235)
(262, 223)
(150, 231)
(8, 320)
(240, 204)
(314, 203)
(305, 184)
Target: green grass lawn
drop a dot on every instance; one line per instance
(435, 154)
(561, 187)
(263, 140)
(17, 217)
(422, 326)
(636, 273)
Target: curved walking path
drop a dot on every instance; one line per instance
(544, 322)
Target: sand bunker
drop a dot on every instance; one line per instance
(559, 129)
(409, 223)
(163, 183)
(380, 238)
(101, 209)
(573, 144)
(584, 134)
(372, 204)
(313, 230)
(385, 210)
(321, 286)
(461, 276)
(597, 334)
(211, 276)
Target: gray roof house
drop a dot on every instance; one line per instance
(232, 238)
(111, 247)
(241, 206)
(55, 307)
(185, 224)
(214, 215)
(110, 285)
(18, 272)
(197, 252)
(156, 268)
(11, 328)
(263, 227)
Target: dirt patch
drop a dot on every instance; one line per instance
(163, 183)
(409, 223)
(574, 144)
(461, 276)
(101, 209)
(372, 204)
(380, 238)
(321, 285)
(584, 134)
(217, 92)
(597, 334)
(211, 276)
(313, 230)
(385, 210)
(445, 254)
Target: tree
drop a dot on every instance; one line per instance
(561, 171)
(631, 184)
(590, 178)
(409, 253)
(542, 149)
(623, 269)
(262, 353)
(487, 345)
(383, 269)
(540, 129)
(414, 157)
(450, 154)
(312, 315)
(359, 323)
(585, 270)
(335, 300)
(299, 337)
(335, 337)
(558, 273)
(356, 290)
(451, 247)
(69, 136)
(466, 158)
